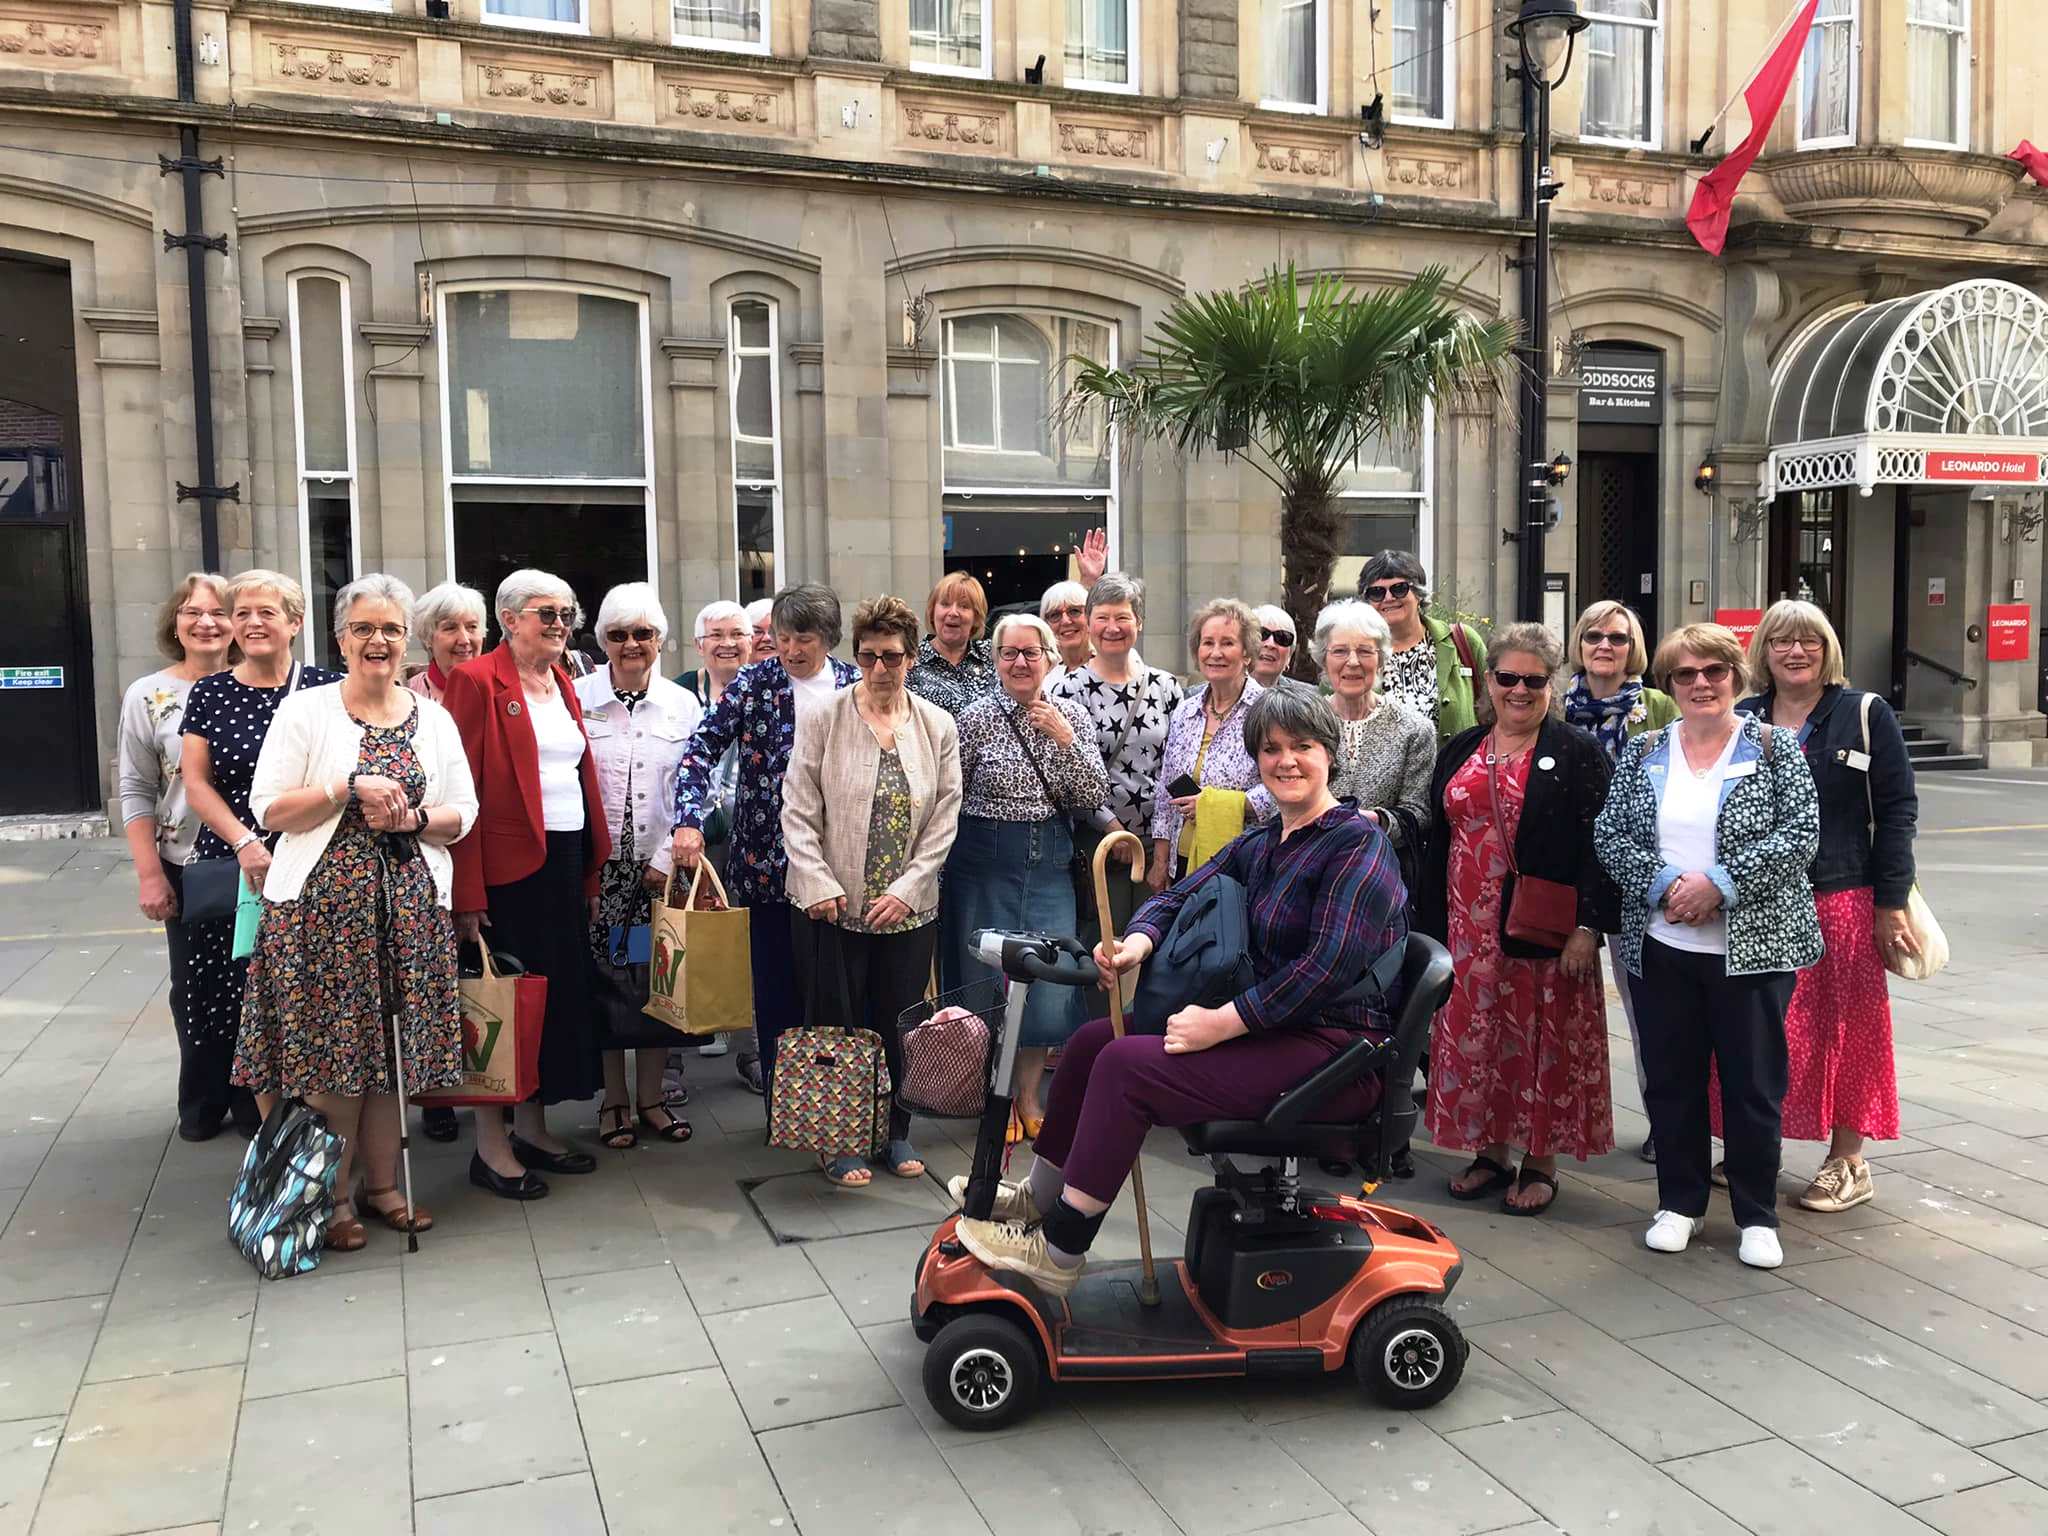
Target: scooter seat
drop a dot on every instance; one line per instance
(1254, 1138)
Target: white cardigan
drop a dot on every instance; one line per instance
(313, 741)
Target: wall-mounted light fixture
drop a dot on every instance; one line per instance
(1034, 74)
(1558, 470)
(1704, 477)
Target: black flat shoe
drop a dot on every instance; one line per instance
(553, 1162)
(527, 1186)
(437, 1124)
(1403, 1165)
(202, 1129)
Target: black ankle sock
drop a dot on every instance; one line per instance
(1069, 1234)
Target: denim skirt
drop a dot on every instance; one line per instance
(1014, 875)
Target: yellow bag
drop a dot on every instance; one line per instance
(700, 979)
(1219, 821)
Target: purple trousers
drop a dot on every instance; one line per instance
(1108, 1093)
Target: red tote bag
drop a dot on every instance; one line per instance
(502, 1017)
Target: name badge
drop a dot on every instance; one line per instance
(1742, 770)
(1464, 671)
(1860, 761)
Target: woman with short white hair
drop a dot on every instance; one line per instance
(1275, 655)
(448, 623)
(761, 620)
(1388, 749)
(1064, 607)
(639, 725)
(723, 638)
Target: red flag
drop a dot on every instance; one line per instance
(2035, 160)
(1714, 201)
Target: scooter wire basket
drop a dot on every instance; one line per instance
(949, 1044)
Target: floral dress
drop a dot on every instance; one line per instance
(1519, 1053)
(313, 1011)
(888, 849)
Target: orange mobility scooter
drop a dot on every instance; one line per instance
(1277, 1279)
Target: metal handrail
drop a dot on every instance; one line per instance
(1942, 667)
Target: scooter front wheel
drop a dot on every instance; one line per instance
(982, 1372)
(1408, 1353)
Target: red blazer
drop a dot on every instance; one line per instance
(488, 702)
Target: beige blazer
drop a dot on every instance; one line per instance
(828, 800)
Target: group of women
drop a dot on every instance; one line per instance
(872, 815)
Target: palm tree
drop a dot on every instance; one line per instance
(1295, 381)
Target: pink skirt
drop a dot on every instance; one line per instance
(1838, 1032)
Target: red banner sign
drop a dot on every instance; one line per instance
(1742, 620)
(2009, 635)
(1988, 466)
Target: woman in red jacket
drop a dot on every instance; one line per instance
(529, 872)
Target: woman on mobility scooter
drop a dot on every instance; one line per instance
(1324, 894)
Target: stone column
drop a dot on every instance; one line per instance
(847, 29)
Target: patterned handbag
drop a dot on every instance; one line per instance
(945, 1065)
(829, 1092)
(284, 1198)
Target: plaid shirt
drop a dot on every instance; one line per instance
(1325, 905)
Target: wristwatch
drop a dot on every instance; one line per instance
(244, 841)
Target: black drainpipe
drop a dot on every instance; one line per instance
(208, 492)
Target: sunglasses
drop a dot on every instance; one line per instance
(1535, 682)
(550, 617)
(1280, 637)
(1391, 591)
(890, 660)
(642, 634)
(1607, 636)
(1071, 611)
(1715, 672)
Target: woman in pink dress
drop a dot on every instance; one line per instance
(1518, 1057)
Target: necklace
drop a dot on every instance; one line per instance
(1495, 754)
(1701, 773)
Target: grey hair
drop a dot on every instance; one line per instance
(1531, 638)
(1060, 594)
(1116, 587)
(1395, 565)
(377, 586)
(1273, 616)
(1296, 713)
(632, 600)
(449, 600)
(808, 609)
(1358, 616)
(711, 613)
(758, 610)
(525, 584)
(1048, 642)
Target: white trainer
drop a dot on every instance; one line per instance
(1013, 1201)
(1760, 1248)
(1671, 1232)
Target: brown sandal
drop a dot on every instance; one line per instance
(346, 1234)
(620, 1136)
(393, 1216)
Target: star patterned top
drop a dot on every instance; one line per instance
(1130, 731)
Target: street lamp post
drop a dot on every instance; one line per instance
(1547, 32)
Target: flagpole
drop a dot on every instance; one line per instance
(1699, 144)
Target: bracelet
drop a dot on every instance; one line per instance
(327, 789)
(244, 841)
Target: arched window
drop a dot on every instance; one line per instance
(323, 389)
(754, 383)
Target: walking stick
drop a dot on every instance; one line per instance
(1148, 1286)
(391, 990)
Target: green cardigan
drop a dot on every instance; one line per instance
(1454, 680)
(1659, 710)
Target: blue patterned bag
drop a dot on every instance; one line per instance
(284, 1197)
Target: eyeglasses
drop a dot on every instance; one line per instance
(1340, 655)
(1284, 638)
(1388, 592)
(1535, 682)
(1608, 637)
(550, 617)
(218, 615)
(1020, 653)
(363, 629)
(640, 633)
(1071, 611)
(1784, 643)
(888, 659)
(1715, 672)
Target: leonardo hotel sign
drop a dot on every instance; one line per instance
(1986, 467)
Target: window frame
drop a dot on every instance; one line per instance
(1854, 22)
(1655, 27)
(1320, 107)
(449, 479)
(577, 28)
(1127, 87)
(1422, 498)
(681, 39)
(987, 69)
(1447, 72)
(327, 477)
(1109, 495)
(1963, 35)
(735, 354)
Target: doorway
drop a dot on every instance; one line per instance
(592, 545)
(1016, 549)
(1618, 519)
(46, 681)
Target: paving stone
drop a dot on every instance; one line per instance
(637, 1322)
(588, 1230)
(901, 1357)
(143, 1455)
(548, 1506)
(1622, 1303)
(2014, 1156)
(868, 1472)
(1651, 1411)
(797, 1361)
(2027, 1455)
(1581, 1481)
(651, 1437)
(492, 1412)
(334, 1459)
(870, 1275)
(1411, 1484)
(1078, 1486)
(2014, 1507)
(27, 1447)
(749, 1270)
(176, 1310)
(1882, 1449)
(327, 1329)
(1776, 1488)
(1488, 1393)
(1487, 1294)
(803, 1206)
(1206, 1470)
(1707, 1271)
(1898, 1372)
(44, 1346)
(2015, 1294)
(462, 1288)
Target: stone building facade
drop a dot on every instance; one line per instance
(728, 293)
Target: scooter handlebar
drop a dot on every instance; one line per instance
(1046, 957)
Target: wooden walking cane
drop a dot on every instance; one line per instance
(1148, 1287)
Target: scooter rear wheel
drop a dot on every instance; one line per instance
(982, 1372)
(1408, 1353)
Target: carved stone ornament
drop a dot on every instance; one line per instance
(1101, 141)
(55, 44)
(1620, 191)
(1315, 161)
(942, 126)
(1890, 188)
(1424, 175)
(717, 108)
(333, 66)
(503, 84)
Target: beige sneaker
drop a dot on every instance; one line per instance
(1839, 1186)
(1013, 1201)
(1019, 1249)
